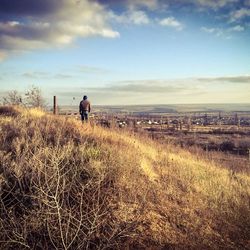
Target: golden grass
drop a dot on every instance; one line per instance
(69, 185)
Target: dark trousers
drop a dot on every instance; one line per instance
(85, 116)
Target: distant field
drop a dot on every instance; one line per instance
(165, 109)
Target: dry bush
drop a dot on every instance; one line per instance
(13, 98)
(34, 98)
(60, 188)
(64, 185)
(9, 111)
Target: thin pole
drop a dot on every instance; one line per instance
(54, 106)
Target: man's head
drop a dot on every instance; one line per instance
(85, 97)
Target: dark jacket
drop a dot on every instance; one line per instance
(84, 106)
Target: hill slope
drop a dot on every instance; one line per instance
(71, 186)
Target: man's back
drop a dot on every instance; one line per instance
(85, 105)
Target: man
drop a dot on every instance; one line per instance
(84, 109)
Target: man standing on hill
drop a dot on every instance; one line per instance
(84, 109)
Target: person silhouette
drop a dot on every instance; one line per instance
(84, 109)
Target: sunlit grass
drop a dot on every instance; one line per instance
(101, 188)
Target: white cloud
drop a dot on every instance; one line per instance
(92, 70)
(240, 79)
(45, 75)
(36, 75)
(137, 17)
(208, 30)
(225, 33)
(186, 90)
(20, 44)
(239, 14)
(59, 25)
(216, 31)
(237, 28)
(171, 22)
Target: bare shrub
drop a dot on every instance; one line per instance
(58, 189)
(34, 97)
(13, 98)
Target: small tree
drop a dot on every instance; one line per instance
(13, 98)
(34, 97)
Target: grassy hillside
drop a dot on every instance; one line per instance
(64, 185)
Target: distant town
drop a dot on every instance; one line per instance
(221, 128)
(177, 117)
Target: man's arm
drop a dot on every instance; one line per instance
(80, 108)
(89, 107)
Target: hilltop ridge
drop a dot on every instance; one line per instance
(72, 186)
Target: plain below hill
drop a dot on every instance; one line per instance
(64, 185)
(163, 109)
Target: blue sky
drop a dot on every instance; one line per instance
(127, 52)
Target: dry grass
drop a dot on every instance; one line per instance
(65, 185)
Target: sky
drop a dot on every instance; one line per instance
(127, 52)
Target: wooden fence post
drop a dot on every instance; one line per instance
(54, 106)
